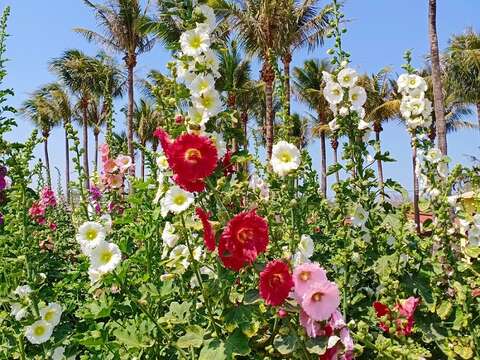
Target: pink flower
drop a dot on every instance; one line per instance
(110, 166)
(312, 328)
(123, 162)
(306, 275)
(53, 226)
(115, 181)
(104, 152)
(406, 309)
(47, 197)
(321, 300)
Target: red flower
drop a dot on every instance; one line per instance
(190, 186)
(228, 167)
(275, 282)
(405, 320)
(208, 234)
(381, 311)
(245, 236)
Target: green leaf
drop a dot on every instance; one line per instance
(178, 313)
(316, 345)
(192, 338)
(213, 350)
(465, 352)
(237, 343)
(444, 310)
(285, 344)
(472, 251)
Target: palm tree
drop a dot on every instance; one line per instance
(308, 82)
(259, 23)
(64, 109)
(305, 25)
(381, 106)
(147, 119)
(39, 109)
(78, 72)
(121, 21)
(438, 101)
(463, 67)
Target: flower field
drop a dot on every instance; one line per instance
(224, 248)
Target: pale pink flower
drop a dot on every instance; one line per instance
(104, 152)
(312, 328)
(304, 276)
(123, 162)
(110, 166)
(115, 181)
(321, 300)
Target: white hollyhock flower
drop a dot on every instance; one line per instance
(360, 112)
(402, 82)
(333, 108)
(106, 221)
(416, 106)
(363, 125)
(90, 234)
(51, 313)
(185, 71)
(333, 125)
(105, 257)
(416, 82)
(357, 96)
(195, 42)
(209, 101)
(209, 15)
(177, 200)
(434, 155)
(442, 169)
(210, 60)
(58, 353)
(427, 108)
(347, 77)
(22, 291)
(327, 77)
(197, 116)
(219, 143)
(285, 158)
(306, 246)
(360, 216)
(94, 275)
(343, 111)
(168, 235)
(476, 220)
(39, 332)
(201, 84)
(17, 311)
(256, 182)
(299, 258)
(416, 94)
(162, 162)
(333, 93)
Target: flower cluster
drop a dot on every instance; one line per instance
(104, 256)
(345, 97)
(431, 169)
(48, 317)
(415, 108)
(39, 208)
(401, 317)
(114, 170)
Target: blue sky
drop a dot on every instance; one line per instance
(379, 33)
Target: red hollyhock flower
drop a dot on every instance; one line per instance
(228, 168)
(190, 186)
(275, 282)
(208, 234)
(245, 236)
(381, 310)
(406, 309)
(164, 139)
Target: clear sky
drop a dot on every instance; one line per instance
(379, 33)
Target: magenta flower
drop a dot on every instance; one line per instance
(321, 300)
(47, 198)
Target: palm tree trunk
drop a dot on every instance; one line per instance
(131, 62)
(85, 145)
(268, 76)
(437, 79)
(95, 135)
(287, 59)
(67, 167)
(47, 159)
(323, 154)
(416, 208)
(378, 128)
(334, 143)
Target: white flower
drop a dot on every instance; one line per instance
(285, 158)
(474, 236)
(209, 101)
(327, 77)
(442, 169)
(427, 108)
(23, 291)
(105, 257)
(357, 96)
(94, 275)
(416, 94)
(195, 42)
(167, 277)
(210, 60)
(333, 125)
(197, 253)
(402, 82)
(209, 15)
(177, 200)
(306, 246)
(17, 311)
(185, 71)
(434, 155)
(90, 234)
(347, 77)
(256, 182)
(168, 235)
(58, 353)
(343, 111)
(219, 143)
(106, 221)
(360, 216)
(333, 93)
(39, 332)
(201, 84)
(179, 257)
(197, 116)
(51, 313)
(360, 111)
(416, 106)
(476, 220)
(299, 258)
(362, 125)
(416, 82)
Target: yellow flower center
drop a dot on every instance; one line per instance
(317, 296)
(179, 199)
(49, 315)
(106, 256)
(285, 157)
(336, 92)
(39, 330)
(193, 155)
(346, 78)
(354, 97)
(195, 41)
(244, 235)
(305, 275)
(91, 234)
(207, 101)
(412, 82)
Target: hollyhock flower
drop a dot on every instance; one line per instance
(51, 313)
(281, 313)
(177, 200)
(115, 181)
(105, 257)
(185, 71)
(208, 14)
(285, 158)
(179, 119)
(306, 246)
(275, 282)
(219, 143)
(124, 162)
(197, 185)
(347, 77)
(208, 234)
(333, 125)
(47, 197)
(23, 291)
(3, 183)
(363, 125)
(228, 167)
(333, 93)
(357, 96)
(104, 152)
(162, 163)
(39, 332)
(90, 235)
(359, 217)
(416, 82)
(406, 309)
(197, 116)
(110, 166)
(321, 300)
(245, 236)
(201, 84)
(18, 311)
(58, 353)
(95, 193)
(168, 235)
(52, 226)
(209, 101)
(304, 276)
(312, 328)
(194, 42)
(106, 221)
(382, 310)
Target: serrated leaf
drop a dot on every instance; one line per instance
(444, 310)
(237, 344)
(192, 338)
(285, 344)
(213, 350)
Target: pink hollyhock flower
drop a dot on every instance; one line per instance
(312, 328)
(115, 181)
(321, 300)
(281, 313)
(275, 282)
(124, 162)
(104, 152)
(95, 193)
(110, 166)
(304, 276)
(36, 210)
(406, 309)
(53, 226)
(47, 197)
